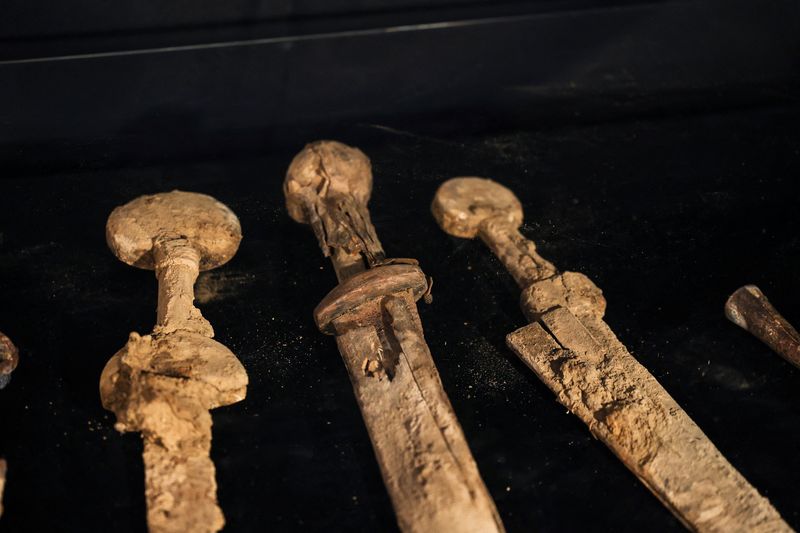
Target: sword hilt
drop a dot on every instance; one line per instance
(328, 185)
(470, 207)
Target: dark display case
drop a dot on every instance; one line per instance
(654, 146)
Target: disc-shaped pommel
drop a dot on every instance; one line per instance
(210, 227)
(326, 169)
(367, 286)
(461, 204)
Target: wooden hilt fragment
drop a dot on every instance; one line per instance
(749, 309)
(571, 349)
(427, 467)
(164, 384)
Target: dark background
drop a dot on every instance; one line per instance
(654, 145)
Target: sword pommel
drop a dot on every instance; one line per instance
(207, 225)
(323, 169)
(462, 204)
(327, 186)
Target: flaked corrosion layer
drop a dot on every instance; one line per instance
(328, 185)
(578, 356)
(626, 408)
(426, 464)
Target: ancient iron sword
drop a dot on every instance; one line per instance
(749, 309)
(163, 384)
(427, 467)
(571, 349)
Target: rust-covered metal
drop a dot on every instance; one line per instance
(427, 467)
(749, 309)
(574, 352)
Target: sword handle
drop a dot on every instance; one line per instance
(328, 186)
(517, 253)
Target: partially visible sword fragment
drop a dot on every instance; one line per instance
(9, 356)
(749, 309)
(571, 349)
(427, 467)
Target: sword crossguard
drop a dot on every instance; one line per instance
(368, 286)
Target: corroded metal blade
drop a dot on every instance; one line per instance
(427, 467)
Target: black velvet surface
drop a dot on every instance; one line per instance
(667, 213)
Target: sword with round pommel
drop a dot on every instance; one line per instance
(571, 349)
(164, 384)
(427, 467)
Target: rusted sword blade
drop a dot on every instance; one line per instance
(571, 349)
(427, 467)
